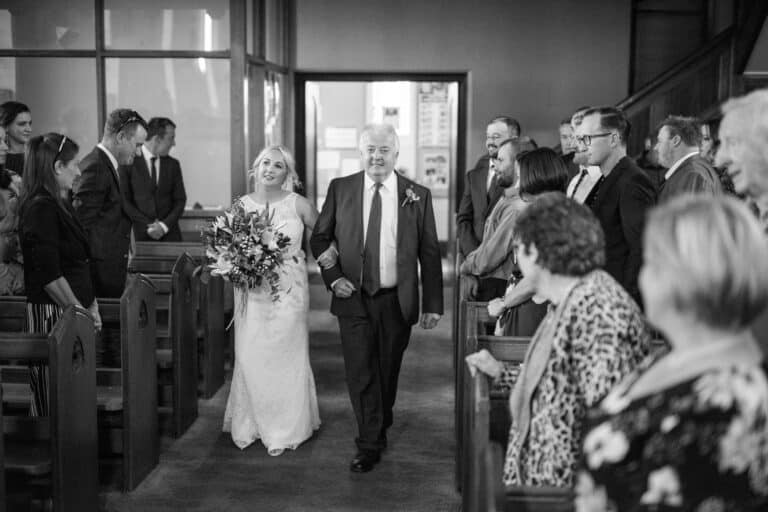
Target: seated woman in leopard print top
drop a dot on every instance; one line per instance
(592, 336)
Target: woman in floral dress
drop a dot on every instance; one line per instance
(689, 430)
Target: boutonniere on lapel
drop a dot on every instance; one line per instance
(410, 197)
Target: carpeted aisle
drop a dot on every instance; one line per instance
(204, 471)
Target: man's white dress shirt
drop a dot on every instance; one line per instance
(585, 186)
(388, 236)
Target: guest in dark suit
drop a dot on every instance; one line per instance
(98, 201)
(54, 245)
(16, 118)
(481, 192)
(384, 228)
(568, 147)
(623, 194)
(677, 145)
(153, 188)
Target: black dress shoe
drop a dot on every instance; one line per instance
(364, 461)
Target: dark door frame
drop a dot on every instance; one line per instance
(302, 77)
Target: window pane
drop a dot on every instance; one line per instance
(166, 25)
(253, 26)
(61, 93)
(275, 20)
(47, 24)
(273, 108)
(194, 93)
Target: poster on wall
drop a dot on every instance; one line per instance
(434, 114)
(391, 115)
(434, 169)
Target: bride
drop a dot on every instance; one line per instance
(273, 396)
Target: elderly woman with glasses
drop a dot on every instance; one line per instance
(592, 336)
(689, 430)
(57, 269)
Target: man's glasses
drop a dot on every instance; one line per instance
(587, 139)
(133, 118)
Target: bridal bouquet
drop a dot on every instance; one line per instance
(246, 248)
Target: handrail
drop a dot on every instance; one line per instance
(723, 40)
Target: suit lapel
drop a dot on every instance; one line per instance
(608, 183)
(105, 160)
(401, 210)
(357, 206)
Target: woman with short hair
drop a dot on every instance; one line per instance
(592, 336)
(689, 430)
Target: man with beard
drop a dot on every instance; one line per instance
(494, 254)
(481, 192)
(583, 183)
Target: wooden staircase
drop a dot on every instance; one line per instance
(699, 83)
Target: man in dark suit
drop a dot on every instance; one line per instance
(384, 228)
(568, 147)
(98, 201)
(153, 188)
(688, 172)
(481, 192)
(622, 195)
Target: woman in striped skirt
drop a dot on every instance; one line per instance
(54, 245)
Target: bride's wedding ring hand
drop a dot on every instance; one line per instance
(343, 288)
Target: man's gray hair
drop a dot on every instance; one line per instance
(386, 128)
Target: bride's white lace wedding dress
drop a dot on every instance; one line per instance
(273, 395)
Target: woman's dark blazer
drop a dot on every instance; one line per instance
(53, 245)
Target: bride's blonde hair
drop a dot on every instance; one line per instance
(291, 182)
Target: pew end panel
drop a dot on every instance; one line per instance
(141, 442)
(183, 332)
(65, 441)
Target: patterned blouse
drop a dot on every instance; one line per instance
(700, 445)
(599, 337)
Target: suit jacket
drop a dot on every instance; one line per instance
(621, 202)
(694, 176)
(145, 202)
(342, 220)
(98, 204)
(54, 245)
(475, 206)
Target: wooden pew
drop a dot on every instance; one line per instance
(482, 486)
(472, 320)
(63, 445)
(128, 394)
(213, 301)
(175, 298)
(194, 221)
(126, 397)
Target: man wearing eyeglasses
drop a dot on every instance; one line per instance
(481, 192)
(623, 194)
(583, 183)
(98, 200)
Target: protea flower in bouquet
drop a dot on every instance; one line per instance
(247, 249)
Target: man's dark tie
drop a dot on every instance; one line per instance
(578, 182)
(153, 163)
(371, 277)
